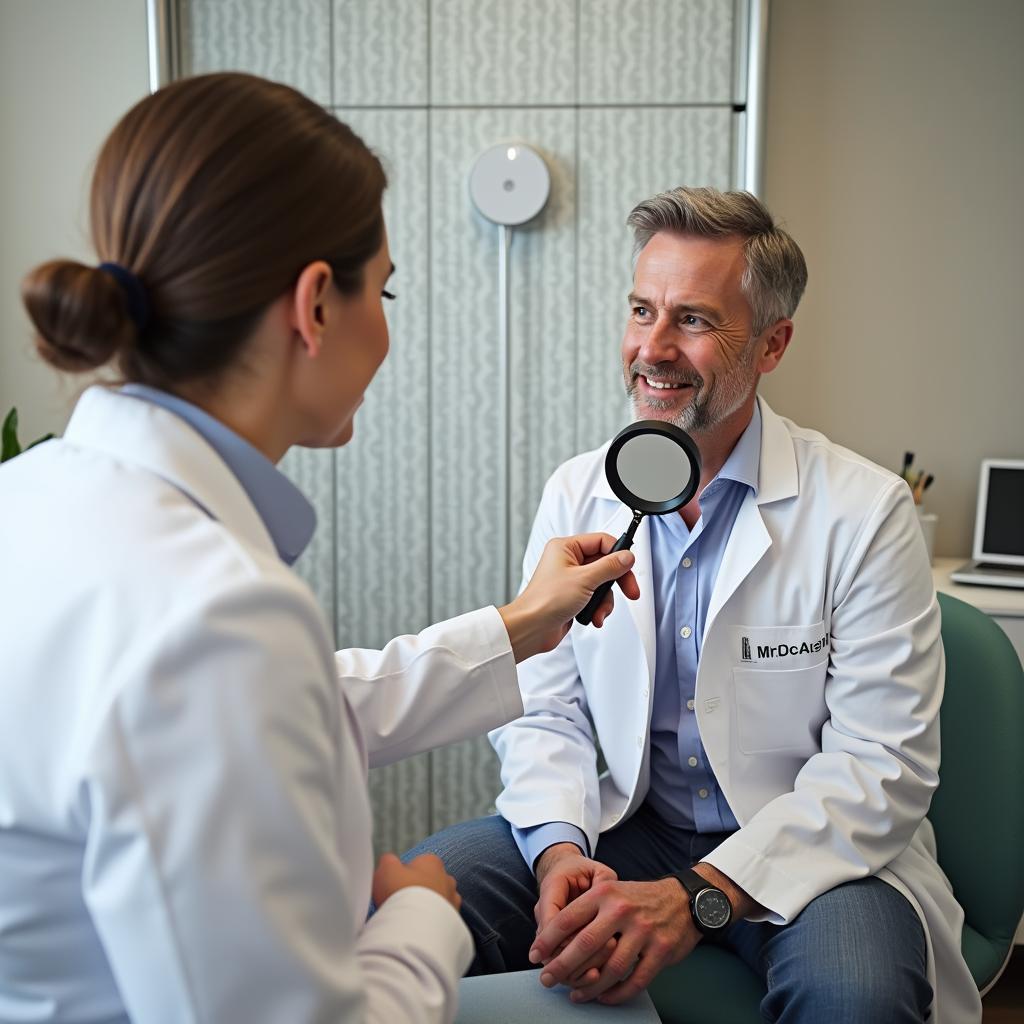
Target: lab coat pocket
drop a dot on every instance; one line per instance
(780, 709)
(781, 647)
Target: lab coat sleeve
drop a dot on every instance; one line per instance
(453, 681)
(857, 803)
(548, 756)
(227, 851)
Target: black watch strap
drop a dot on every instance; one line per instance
(712, 914)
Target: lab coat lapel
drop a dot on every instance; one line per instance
(776, 480)
(747, 544)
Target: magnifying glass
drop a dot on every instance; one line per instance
(654, 468)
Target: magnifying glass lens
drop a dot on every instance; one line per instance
(654, 466)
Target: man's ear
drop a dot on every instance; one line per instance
(775, 341)
(309, 305)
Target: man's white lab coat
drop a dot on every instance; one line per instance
(817, 693)
(184, 825)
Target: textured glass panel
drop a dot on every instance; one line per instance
(380, 53)
(383, 474)
(400, 799)
(503, 52)
(285, 40)
(465, 782)
(656, 51)
(469, 439)
(472, 564)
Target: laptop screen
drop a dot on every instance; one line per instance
(1003, 530)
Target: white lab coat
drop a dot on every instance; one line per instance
(827, 753)
(184, 825)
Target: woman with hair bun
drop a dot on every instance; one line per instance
(184, 822)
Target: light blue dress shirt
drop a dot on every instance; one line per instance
(289, 518)
(685, 563)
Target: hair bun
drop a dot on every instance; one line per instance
(80, 314)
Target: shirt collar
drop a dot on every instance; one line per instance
(744, 461)
(289, 518)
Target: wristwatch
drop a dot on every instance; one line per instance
(709, 906)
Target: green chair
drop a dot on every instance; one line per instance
(977, 812)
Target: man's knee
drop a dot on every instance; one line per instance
(856, 954)
(468, 846)
(878, 993)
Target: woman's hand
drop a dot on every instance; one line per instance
(426, 870)
(568, 573)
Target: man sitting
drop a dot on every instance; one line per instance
(767, 710)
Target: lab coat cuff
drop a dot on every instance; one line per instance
(418, 923)
(782, 895)
(487, 628)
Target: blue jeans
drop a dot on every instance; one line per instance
(856, 954)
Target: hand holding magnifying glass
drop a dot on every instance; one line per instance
(654, 468)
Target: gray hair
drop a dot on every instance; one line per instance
(775, 275)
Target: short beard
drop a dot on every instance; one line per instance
(712, 404)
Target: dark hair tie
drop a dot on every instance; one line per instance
(134, 293)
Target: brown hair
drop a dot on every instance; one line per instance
(214, 193)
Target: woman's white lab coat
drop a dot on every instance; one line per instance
(184, 826)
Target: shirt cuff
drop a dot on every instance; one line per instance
(532, 842)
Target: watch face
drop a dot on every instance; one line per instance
(712, 908)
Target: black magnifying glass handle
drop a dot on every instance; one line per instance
(624, 543)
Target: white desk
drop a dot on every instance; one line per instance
(1004, 604)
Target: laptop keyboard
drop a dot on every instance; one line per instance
(1014, 572)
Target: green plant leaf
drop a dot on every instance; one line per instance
(9, 446)
(40, 440)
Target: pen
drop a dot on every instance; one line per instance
(921, 485)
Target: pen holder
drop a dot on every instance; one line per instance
(927, 521)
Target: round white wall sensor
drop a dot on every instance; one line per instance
(510, 183)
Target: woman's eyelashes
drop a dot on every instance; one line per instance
(388, 295)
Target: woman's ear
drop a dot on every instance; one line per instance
(309, 305)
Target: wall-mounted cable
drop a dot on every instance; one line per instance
(509, 185)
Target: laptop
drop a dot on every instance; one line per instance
(998, 527)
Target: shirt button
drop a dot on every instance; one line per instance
(640, 741)
(685, 632)
(692, 762)
(702, 793)
(647, 692)
(687, 563)
(689, 705)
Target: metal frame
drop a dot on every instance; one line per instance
(750, 81)
(162, 31)
(757, 88)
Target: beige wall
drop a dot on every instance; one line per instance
(896, 157)
(68, 70)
